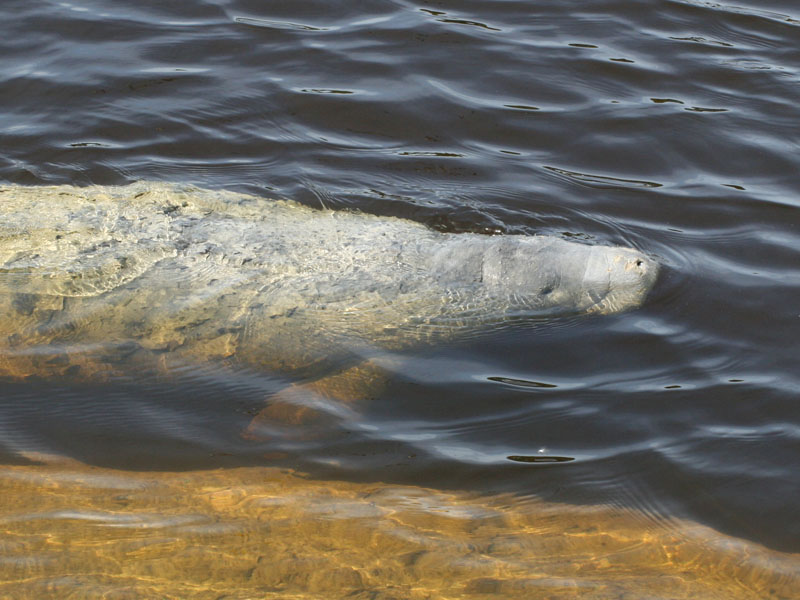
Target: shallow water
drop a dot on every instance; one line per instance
(83, 532)
(670, 126)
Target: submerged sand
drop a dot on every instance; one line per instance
(71, 531)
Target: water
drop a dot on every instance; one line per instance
(667, 126)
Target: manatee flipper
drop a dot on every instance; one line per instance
(307, 404)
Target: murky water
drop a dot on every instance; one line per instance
(645, 454)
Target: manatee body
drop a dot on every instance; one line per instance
(92, 279)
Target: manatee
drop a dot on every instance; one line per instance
(96, 282)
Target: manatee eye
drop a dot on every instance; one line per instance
(639, 262)
(546, 290)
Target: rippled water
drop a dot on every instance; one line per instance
(668, 125)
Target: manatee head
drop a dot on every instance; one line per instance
(551, 275)
(617, 279)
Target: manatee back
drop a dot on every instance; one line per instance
(208, 274)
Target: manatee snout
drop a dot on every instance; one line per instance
(625, 275)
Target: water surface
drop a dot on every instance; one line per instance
(669, 125)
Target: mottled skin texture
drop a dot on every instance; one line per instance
(97, 281)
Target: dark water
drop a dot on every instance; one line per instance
(669, 125)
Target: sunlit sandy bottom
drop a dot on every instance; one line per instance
(70, 531)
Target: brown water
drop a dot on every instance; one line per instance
(77, 532)
(666, 125)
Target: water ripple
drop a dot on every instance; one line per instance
(662, 126)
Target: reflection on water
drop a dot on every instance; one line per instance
(651, 124)
(71, 530)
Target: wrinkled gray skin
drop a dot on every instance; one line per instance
(175, 271)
